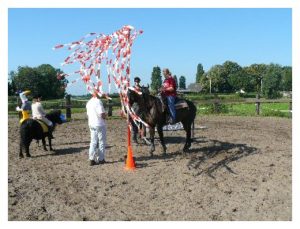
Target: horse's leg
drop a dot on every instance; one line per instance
(161, 138)
(50, 144)
(20, 152)
(27, 149)
(152, 148)
(187, 128)
(44, 143)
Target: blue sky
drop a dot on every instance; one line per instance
(175, 38)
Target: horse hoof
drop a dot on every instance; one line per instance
(21, 156)
(51, 149)
(28, 155)
(45, 149)
(164, 150)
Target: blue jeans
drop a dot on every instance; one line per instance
(98, 142)
(171, 106)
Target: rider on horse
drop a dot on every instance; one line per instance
(39, 113)
(168, 90)
(26, 107)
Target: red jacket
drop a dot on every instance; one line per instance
(168, 83)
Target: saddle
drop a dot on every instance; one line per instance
(43, 125)
(179, 103)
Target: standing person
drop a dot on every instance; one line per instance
(169, 91)
(135, 107)
(96, 121)
(38, 112)
(25, 107)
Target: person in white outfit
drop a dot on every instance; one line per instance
(96, 121)
(38, 112)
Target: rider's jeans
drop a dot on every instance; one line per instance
(171, 106)
(98, 142)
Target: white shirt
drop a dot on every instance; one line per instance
(94, 108)
(37, 110)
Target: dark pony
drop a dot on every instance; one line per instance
(155, 115)
(31, 129)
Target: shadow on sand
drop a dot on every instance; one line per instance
(207, 159)
(221, 154)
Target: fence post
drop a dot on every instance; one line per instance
(257, 104)
(68, 107)
(216, 104)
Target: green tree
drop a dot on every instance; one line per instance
(215, 78)
(156, 80)
(256, 73)
(200, 73)
(182, 82)
(287, 78)
(40, 80)
(272, 81)
(176, 80)
(11, 84)
(205, 83)
(233, 76)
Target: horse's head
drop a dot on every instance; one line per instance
(56, 117)
(145, 90)
(133, 95)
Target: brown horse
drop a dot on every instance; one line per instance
(155, 115)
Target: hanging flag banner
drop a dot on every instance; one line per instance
(95, 52)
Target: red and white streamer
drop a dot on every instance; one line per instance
(113, 51)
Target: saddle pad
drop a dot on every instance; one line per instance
(181, 104)
(43, 125)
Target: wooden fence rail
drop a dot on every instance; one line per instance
(69, 103)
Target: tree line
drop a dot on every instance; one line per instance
(41, 80)
(266, 79)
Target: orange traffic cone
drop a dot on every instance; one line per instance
(130, 164)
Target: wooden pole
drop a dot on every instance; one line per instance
(257, 104)
(68, 107)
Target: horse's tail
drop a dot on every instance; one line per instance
(193, 113)
(192, 109)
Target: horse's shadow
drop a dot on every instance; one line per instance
(64, 151)
(76, 142)
(221, 154)
(207, 159)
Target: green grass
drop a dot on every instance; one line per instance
(247, 109)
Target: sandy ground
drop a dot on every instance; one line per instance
(238, 168)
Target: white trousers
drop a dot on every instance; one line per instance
(98, 143)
